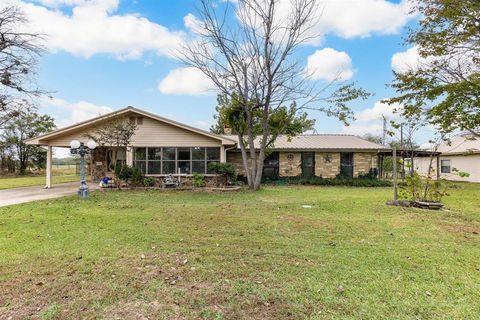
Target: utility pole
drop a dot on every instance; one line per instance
(401, 136)
(384, 138)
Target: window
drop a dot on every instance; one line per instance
(154, 160)
(184, 160)
(139, 120)
(140, 159)
(446, 166)
(168, 161)
(171, 160)
(213, 155)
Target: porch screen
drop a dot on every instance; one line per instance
(173, 160)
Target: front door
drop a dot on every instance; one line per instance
(346, 164)
(308, 164)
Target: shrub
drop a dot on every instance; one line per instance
(137, 175)
(131, 175)
(337, 181)
(224, 169)
(198, 180)
(148, 181)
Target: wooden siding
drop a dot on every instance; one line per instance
(152, 133)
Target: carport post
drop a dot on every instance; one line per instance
(48, 183)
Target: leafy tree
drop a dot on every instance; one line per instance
(19, 51)
(249, 59)
(373, 138)
(444, 89)
(282, 120)
(26, 126)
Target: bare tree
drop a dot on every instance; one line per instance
(19, 52)
(247, 50)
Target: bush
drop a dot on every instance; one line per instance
(148, 181)
(131, 175)
(337, 181)
(137, 175)
(198, 180)
(225, 169)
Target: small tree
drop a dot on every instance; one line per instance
(116, 133)
(23, 127)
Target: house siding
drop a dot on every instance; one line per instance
(152, 133)
(325, 168)
(327, 164)
(363, 162)
(290, 164)
(463, 163)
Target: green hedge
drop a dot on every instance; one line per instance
(319, 181)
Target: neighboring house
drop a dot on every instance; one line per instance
(460, 155)
(161, 146)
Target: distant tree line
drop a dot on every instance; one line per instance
(15, 155)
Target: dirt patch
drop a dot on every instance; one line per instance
(461, 228)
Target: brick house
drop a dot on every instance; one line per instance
(161, 146)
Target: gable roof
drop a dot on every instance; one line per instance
(461, 144)
(322, 142)
(88, 123)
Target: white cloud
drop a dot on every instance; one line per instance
(187, 80)
(362, 18)
(329, 64)
(354, 18)
(94, 28)
(192, 23)
(406, 60)
(370, 120)
(72, 112)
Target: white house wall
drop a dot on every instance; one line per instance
(463, 163)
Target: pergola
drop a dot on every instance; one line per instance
(408, 154)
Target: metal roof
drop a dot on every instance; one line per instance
(461, 144)
(321, 142)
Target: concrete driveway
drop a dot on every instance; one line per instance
(28, 194)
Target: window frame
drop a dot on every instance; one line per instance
(206, 160)
(449, 166)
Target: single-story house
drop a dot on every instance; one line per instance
(161, 146)
(460, 154)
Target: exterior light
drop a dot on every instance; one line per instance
(74, 144)
(80, 149)
(91, 144)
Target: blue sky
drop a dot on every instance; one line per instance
(104, 55)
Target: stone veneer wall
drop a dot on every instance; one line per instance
(235, 158)
(99, 164)
(327, 164)
(363, 162)
(290, 164)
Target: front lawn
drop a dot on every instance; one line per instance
(187, 255)
(29, 181)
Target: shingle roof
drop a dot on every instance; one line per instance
(322, 142)
(461, 144)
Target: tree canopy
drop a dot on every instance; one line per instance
(21, 128)
(444, 88)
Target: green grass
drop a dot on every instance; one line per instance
(188, 255)
(30, 181)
